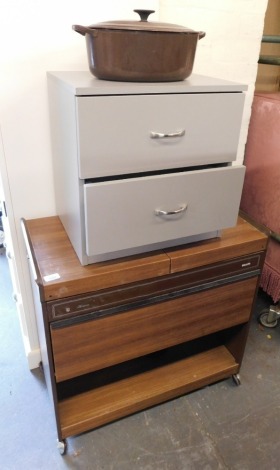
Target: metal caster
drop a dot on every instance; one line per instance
(61, 445)
(269, 317)
(236, 379)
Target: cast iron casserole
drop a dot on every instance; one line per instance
(142, 51)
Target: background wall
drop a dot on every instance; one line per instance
(230, 49)
(37, 36)
(268, 76)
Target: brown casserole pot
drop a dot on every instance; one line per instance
(142, 51)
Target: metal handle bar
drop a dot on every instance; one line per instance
(176, 211)
(161, 135)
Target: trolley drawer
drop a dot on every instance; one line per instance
(87, 346)
(117, 299)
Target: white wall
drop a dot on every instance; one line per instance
(37, 36)
(230, 49)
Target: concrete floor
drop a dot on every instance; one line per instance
(221, 426)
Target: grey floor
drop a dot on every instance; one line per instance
(221, 426)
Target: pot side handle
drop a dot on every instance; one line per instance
(82, 29)
(201, 34)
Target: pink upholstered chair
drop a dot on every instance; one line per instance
(261, 192)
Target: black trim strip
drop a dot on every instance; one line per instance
(168, 171)
(152, 300)
(183, 92)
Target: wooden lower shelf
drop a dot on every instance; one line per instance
(105, 404)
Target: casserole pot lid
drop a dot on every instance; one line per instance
(142, 25)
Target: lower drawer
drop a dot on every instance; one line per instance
(149, 211)
(88, 346)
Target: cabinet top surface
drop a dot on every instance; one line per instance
(82, 83)
(60, 274)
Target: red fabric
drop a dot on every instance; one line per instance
(261, 192)
(270, 279)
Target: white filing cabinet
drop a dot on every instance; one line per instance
(142, 166)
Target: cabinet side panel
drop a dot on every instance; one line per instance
(68, 188)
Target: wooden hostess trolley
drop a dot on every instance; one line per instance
(119, 336)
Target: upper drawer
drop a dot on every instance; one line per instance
(115, 132)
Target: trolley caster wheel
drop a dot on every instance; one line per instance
(61, 445)
(236, 379)
(264, 319)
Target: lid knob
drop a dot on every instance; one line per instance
(144, 14)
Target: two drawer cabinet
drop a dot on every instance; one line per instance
(120, 336)
(144, 166)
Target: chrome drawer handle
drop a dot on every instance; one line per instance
(160, 135)
(177, 211)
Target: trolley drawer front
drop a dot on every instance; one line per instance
(89, 346)
(109, 301)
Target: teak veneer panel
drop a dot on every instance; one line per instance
(240, 240)
(93, 345)
(53, 254)
(105, 404)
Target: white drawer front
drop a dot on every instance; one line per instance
(124, 214)
(114, 132)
